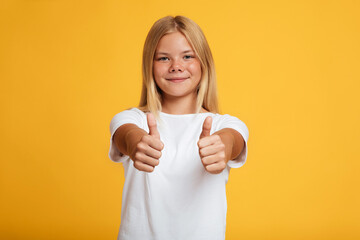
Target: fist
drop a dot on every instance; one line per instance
(148, 150)
(211, 149)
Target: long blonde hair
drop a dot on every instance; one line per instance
(207, 91)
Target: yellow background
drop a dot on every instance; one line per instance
(288, 69)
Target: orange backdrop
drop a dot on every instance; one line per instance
(288, 69)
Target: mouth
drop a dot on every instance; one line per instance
(177, 79)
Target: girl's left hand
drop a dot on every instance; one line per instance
(212, 149)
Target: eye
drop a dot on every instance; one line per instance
(163, 59)
(188, 56)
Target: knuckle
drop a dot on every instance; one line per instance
(209, 169)
(140, 146)
(222, 165)
(136, 165)
(159, 154)
(161, 145)
(201, 152)
(137, 155)
(144, 138)
(222, 146)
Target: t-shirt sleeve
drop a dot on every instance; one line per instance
(228, 121)
(133, 116)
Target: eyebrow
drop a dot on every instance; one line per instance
(164, 53)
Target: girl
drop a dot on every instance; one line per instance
(176, 149)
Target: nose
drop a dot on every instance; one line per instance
(176, 67)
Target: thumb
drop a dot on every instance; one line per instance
(206, 127)
(152, 126)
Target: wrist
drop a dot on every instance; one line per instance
(132, 138)
(228, 140)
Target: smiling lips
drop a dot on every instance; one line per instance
(177, 79)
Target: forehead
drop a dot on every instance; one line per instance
(173, 42)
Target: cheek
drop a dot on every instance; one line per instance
(158, 70)
(195, 69)
(155, 69)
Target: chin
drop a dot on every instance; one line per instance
(177, 94)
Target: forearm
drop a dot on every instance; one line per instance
(233, 141)
(127, 136)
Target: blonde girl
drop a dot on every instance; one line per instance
(176, 149)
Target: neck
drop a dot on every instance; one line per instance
(176, 105)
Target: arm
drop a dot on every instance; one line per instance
(233, 141)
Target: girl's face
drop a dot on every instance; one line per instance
(177, 70)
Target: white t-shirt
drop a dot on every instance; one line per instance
(179, 199)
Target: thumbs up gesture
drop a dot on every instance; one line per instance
(211, 149)
(148, 149)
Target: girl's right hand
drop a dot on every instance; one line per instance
(147, 151)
